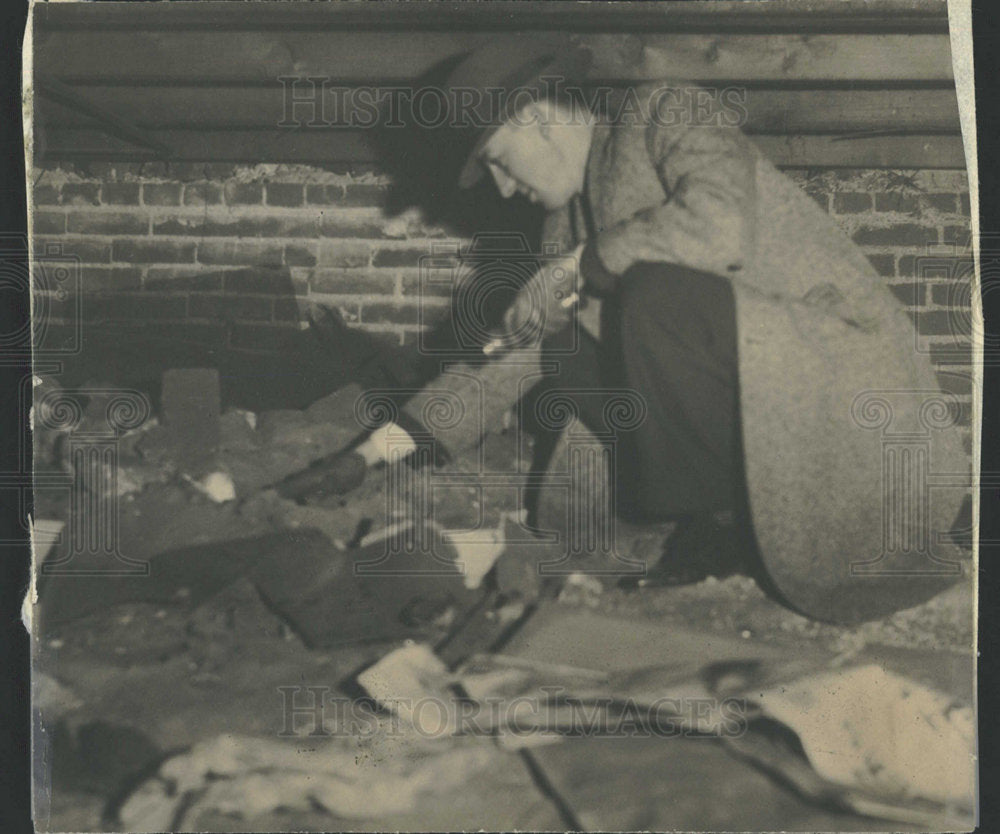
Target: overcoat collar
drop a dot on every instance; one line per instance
(600, 140)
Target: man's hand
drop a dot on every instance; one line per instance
(545, 304)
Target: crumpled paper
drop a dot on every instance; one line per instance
(868, 728)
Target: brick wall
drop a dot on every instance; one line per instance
(152, 240)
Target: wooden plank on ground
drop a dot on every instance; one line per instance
(370, 57)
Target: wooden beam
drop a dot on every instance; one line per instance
(207, 57)
(70, 98)
(864, 152)
(758, 110)
(505, 15)
(335, 146)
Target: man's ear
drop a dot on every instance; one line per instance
(536, 113)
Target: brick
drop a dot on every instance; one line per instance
(153, 251)
(935, 266)
(230, 307)
(298, 226)
(45, 195)
(106, 223)
(240, 253)
(955, 382)
(264, 338)
(349, 311)
(352, 283)
(182, 280)
(884, 264)
(161, 194)
(364, 195)
(62, 309)
(951, 353)
(123, 307)
(154, 170)
(339, 226)
(344, 254)
(821, 197)
(912, 295)
(202, 194)
(940, 202)
(193, 333)
(299, 255)
(157, 307)
(387, 313)
(89, 251)
(354, 170)
(284, 194)
(103, 279)
(290, 309)
(218, 170)
(259, 280)
(202, 226)
(120, 194)
(399, 257)
(951, 295)
(959, 236)
(850, 202)
(903, 234)
(244, 193)
(897, 201)
(81, 194)
(941, 323)
(48, 222)
(300, 280)
(431, 285)
(324, 195)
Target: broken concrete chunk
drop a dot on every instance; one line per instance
(477, 552)
(216, 486)
(414, 683)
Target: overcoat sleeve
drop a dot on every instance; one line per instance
(706, 220)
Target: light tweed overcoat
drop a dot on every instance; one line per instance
(849, 441)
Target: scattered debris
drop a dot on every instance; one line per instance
(245, 777)
(582, 589)
(414, 683)
(477, 551)
(217, 486)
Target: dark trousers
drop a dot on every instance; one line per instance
(669, 335)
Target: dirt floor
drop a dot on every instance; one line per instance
(131, 671)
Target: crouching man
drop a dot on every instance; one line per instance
(781, 379)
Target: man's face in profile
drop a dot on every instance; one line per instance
(529, 155)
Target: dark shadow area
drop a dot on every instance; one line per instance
(261, 366)
(424, 161)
